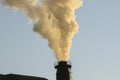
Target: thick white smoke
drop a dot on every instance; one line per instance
(54, 21)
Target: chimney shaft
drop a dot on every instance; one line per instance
(63, 71)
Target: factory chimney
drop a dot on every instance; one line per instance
(63, 70)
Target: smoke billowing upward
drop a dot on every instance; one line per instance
(54, 20)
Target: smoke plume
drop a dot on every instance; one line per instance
(54, 20)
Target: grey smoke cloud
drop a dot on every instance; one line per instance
(54, 20)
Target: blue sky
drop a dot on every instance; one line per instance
(95, 52)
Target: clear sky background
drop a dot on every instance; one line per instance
(95, 52)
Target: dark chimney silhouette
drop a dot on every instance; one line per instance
(63, 70)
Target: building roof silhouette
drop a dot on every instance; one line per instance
(19, 77)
